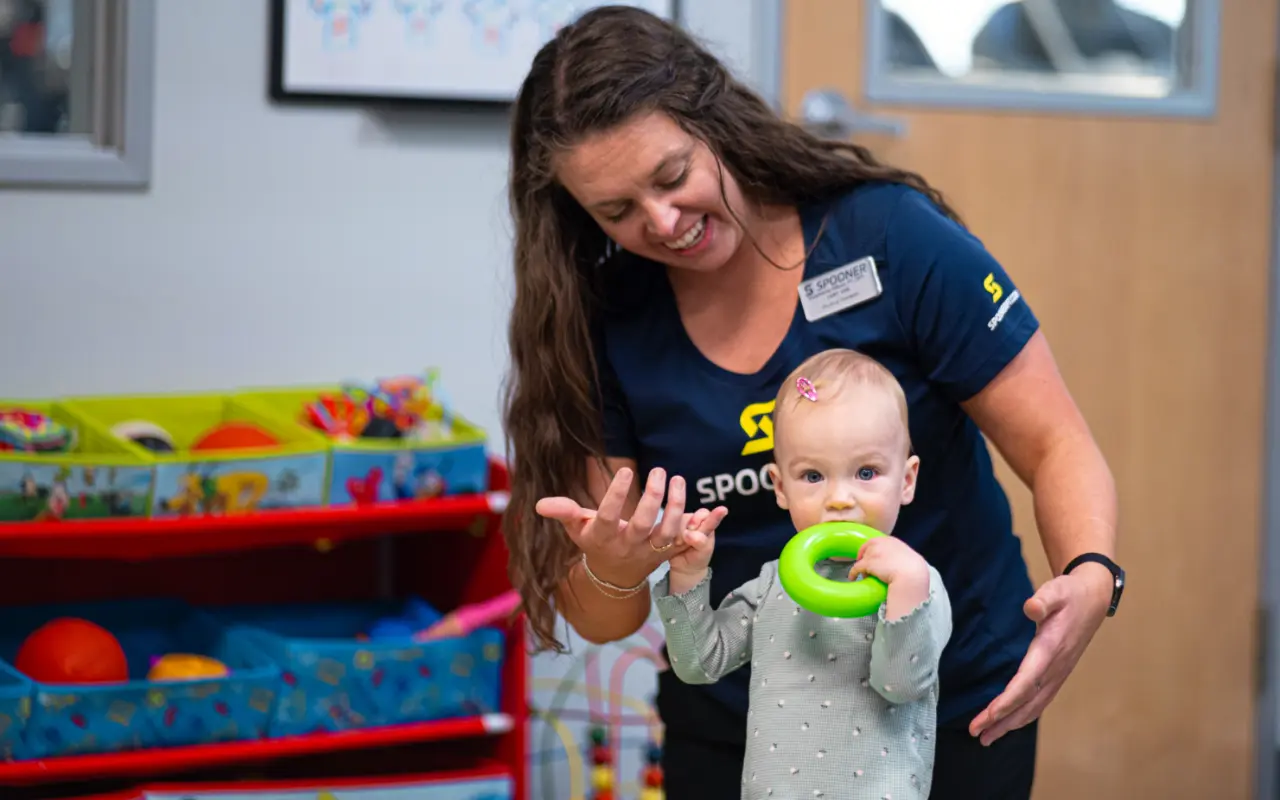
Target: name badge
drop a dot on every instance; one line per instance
(840, 289)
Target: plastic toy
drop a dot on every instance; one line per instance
(404, 407)
(415, 616)
(337, 416)
(185, 667)
(466, 619)
(821, 595)
(32, 432)
(72, 650)
(235, 435)
(145, 434)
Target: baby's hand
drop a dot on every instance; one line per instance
(904, 570)
(690, 566)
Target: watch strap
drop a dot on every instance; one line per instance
(1117, 573)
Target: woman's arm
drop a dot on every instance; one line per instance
(1032, 420)
(1029, 415)
(595, 616)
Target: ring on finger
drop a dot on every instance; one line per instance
(662, 549)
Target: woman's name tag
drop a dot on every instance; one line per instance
(842, 288)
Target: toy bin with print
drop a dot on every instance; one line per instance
(53, 467)
(391, 441)
(133, 674)
(15, 709)
(213, 454)
(349, 666)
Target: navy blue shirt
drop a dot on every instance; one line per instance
(947, 321)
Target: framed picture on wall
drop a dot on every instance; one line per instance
(450, 51)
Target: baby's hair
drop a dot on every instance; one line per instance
(822, 377)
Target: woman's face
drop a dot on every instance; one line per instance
(656, 191)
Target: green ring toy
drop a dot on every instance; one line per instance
(822, 595)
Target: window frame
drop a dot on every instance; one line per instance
(117, 152)
(1199, 101)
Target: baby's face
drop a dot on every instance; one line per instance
(844, 459)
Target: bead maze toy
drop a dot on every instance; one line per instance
(651, 785)
(603, 775)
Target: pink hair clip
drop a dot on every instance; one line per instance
(805, 387)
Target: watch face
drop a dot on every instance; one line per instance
(1117, 591)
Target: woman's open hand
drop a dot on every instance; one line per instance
(1067, 610)
(624, 552)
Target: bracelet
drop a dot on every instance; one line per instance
(604, 587)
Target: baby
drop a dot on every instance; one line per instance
(839, 708)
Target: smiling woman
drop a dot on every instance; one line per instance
(678, 252)
(608, 173)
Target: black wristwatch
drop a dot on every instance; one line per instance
(1117, 588)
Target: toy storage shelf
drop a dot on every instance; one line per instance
(144, 763)
(447, 550)
(138, 539)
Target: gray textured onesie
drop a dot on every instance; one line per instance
(840, 708)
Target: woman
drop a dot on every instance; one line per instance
(666, 221)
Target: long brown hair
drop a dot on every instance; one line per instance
(611, 64)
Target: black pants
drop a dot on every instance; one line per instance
(694, 769)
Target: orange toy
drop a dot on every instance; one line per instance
(185, 667)
(235, 435)
(70, 650)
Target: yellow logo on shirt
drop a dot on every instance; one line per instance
(993, 287)
(758, 426)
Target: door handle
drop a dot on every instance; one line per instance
(829, 113)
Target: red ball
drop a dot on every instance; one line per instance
(235, 435)
(70, 650)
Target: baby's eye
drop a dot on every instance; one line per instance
(866, 473)
(811, 476)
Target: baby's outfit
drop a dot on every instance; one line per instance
(840, 709)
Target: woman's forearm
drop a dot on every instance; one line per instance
(1075, 502)
(597, 617)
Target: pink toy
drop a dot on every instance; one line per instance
(468, 618)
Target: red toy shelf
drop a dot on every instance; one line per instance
(133, 539)
(448, 551)
(145, 763)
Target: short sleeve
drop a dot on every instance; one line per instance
(962, 312)
(619, 431)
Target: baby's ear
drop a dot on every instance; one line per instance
(775, 479)
(909, 476)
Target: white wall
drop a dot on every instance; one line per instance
(276, 244)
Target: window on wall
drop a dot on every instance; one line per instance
(1135, 56)
(75, 92)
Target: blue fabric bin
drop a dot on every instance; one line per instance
(15, 708)
(69, 719)
(333, 681)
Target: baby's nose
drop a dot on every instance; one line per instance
(840, 501)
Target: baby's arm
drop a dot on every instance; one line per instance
(906, 650)
(706, 644)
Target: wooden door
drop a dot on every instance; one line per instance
(1143, 246)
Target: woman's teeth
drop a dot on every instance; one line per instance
(691, 236)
